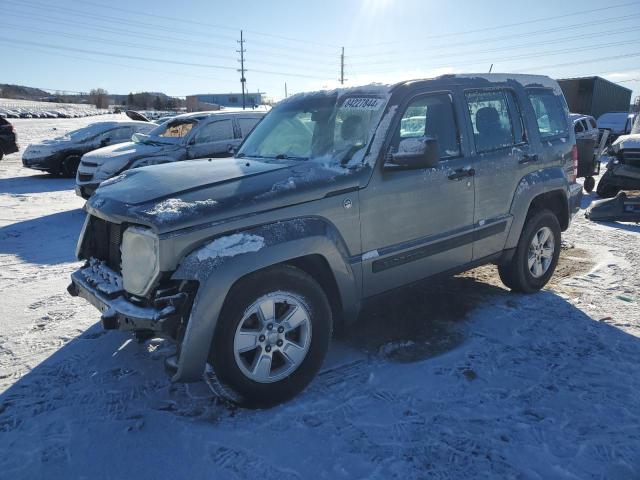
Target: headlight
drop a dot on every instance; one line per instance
(139, 260)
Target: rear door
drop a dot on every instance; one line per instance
(213, 139)
(417, 222)
(502, 155)
(245, 125)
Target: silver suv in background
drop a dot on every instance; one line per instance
(185, 137)
(335, 197)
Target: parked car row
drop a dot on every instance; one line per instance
(49, 113)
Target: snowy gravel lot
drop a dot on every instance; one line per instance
(456, 380)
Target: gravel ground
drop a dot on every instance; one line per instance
(457, 379)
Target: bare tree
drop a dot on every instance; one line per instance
(99, 97)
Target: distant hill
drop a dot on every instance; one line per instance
(145, 100)
(21, 92)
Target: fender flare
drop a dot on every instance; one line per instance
(264, 246)
(531, 186)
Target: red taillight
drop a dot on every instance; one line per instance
(574, 161)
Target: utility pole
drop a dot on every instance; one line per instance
(342, 67)
(285, 90)
(243, 80)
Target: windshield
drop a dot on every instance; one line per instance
(316, 126)
(169, 132)
(84, 134)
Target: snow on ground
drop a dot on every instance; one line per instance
(457, 379)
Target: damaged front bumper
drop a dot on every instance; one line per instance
(102, 287)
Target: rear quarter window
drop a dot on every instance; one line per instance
(550, 114)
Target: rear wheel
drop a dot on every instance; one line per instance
(70, 166)
(536, 255)
(272, 336)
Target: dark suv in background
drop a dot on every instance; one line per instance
(334, 198)
(8, 138)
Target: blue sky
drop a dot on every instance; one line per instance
(190, 47)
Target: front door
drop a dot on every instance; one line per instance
(418, 222)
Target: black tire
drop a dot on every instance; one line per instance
(516, 274)
(589, 183)
(1, 154)
(605, 189)
(282, 278)
(69, 166)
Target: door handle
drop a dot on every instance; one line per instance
(461, 173)
(528, 159)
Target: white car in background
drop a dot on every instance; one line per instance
(618, 123)
(185, 137)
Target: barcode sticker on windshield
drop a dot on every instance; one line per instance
(362, 103)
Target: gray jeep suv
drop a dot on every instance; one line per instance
(335, 197)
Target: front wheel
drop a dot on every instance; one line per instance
(70, 166)
(536, 255)
(272, 336)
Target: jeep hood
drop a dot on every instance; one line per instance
(183, 194)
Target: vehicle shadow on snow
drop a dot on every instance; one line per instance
(41, 183)
(48, 239)
(106, 388)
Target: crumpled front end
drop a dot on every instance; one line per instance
(100, 282)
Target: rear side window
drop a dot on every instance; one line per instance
(432, 116)
(215, 132)
(246, 125)
(492, 124)
(550, 114)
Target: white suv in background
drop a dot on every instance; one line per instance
(185, 137)
(585, 126)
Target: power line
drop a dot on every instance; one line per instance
(572, 38)
(508, 25)
(477, 61)
(208, 25)
(506, 37)
(149, 59)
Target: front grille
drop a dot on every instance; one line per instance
(106, 238)
(84, 177)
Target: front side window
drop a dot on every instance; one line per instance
(491, 121)
(319, 126)
(550, 114)
(214, 132)
(433, 117)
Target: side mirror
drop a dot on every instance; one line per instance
(231, 149)
(420, 152)
(105, 142)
